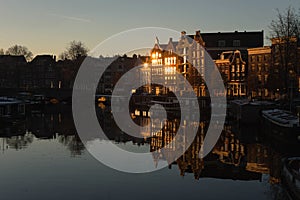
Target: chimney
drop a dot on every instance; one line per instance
(222, 56)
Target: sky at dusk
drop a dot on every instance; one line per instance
(46, 27)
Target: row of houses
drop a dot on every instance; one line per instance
(248, 68)
(43, 72)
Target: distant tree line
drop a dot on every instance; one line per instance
(74, 50)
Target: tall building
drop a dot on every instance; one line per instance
(273, 71)
(192, 50)
(185, 57)
(233, 71)
(259, 63)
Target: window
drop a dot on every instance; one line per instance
(266, 67)
(236, 43)
(243, 68)
(259, 68)
(221, 43)
(259, 78)
(232, 68)
(266, 92)
(266, 57)
(266, 78)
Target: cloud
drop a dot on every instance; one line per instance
(71, 18)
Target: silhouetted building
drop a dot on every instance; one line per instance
(216, 43)
(40, 73)
(10, 68)
(117, 67)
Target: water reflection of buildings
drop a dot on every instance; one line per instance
(52, 123)
(231, 158)
(229, 148)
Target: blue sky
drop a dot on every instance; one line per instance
(47, 26)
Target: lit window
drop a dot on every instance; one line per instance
(137, 112)
(243, 68)
(266, 92)
(232, 68)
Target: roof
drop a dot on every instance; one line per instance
(248, 39)
(42, 59)
(7, 59)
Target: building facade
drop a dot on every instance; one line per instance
(260, 61)
(233, 71)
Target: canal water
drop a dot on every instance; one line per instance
(42, 157)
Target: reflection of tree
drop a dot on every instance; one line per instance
(73, 143)
(19, 142)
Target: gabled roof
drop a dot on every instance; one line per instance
(171, 46)
(237, 54)
(41, 59)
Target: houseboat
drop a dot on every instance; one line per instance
(282, 125)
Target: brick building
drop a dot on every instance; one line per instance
(260, 62)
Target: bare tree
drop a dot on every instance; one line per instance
(18, 50)
(1, 52)
(75, 50)
(285, 33)
(63, 56)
